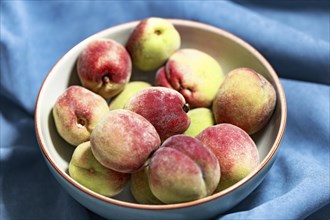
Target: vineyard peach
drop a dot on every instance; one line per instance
(165, 108)
(193, 73)
(235, 150)
(152, 42)
(104, 67)
(245, 99)
(76, 112)
(182, 170)
(123, 140)
(140, 188)
(86, 170)
(130, 89)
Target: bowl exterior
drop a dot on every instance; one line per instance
(204, 210)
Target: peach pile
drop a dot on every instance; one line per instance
(181, 138)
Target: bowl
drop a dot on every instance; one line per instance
(231, 52)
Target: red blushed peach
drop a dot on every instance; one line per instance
(245, 99)
(123, 140)
(160, 79)
(130, 89)
(193, 73)
(76, 112)
(165, 108)
(182, 170)
(236, 152)
(104, 67)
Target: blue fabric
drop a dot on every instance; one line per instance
(292, 35)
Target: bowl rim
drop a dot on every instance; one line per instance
(264, 162)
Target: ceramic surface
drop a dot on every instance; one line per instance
(231, 52)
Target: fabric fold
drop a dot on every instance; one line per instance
(34, 35)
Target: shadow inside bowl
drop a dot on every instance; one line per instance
(74, 79)
(138, 75)
(267, 135)
(125, 195)
(62, 148)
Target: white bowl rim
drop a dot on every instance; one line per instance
(269, 156)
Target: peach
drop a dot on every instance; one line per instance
(86, 170)
(130, 89)
(152, 42)
(245, 99)
(104, 67)
(76, 112)
(182, 170)
(195, 74)
(165, 108)
(200, 118)
(123, 140)
(160, 79)
(140, 188)
(236, 152)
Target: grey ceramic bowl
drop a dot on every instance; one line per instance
(231, 52)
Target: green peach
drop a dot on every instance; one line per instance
(86, 170)
(152, 42)
(130, 89)
(245, 99)
(140, 188)
(200, 118)
(193, 73)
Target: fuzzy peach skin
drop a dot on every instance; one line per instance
(76, 112)
(86, 170)
(130, 89)
(165, 108)
(182, 170)
(200, 118)
(123, 140)
(104, 67)
(245, 99)
(195, 74)
(140, 188)
(152, 42)
(160, 79)
(236, 152)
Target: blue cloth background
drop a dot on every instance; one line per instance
(292, 35)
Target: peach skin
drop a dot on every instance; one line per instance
(123, 141)
(165, 108)
(193, 73)
(86, 170)
(104, 67)
(245, 99)
(182, 170)
(236, 152)
(76, 112)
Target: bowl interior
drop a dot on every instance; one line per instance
(230, 51)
